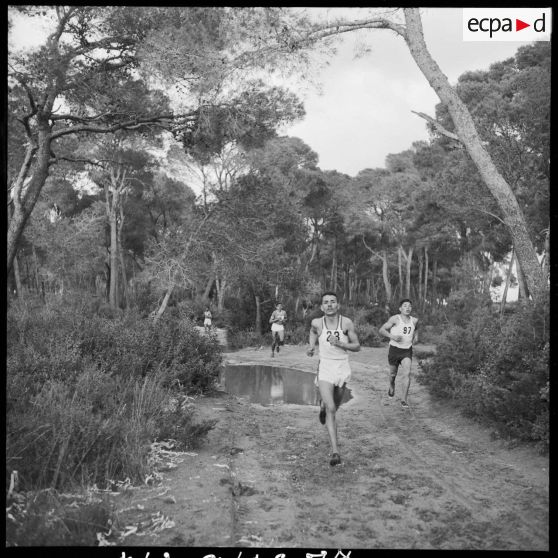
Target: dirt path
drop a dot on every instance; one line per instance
(421, 478)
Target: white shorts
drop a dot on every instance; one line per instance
(336, 372)
(207, 322)
(277, 327)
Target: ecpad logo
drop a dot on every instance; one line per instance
(507, 24)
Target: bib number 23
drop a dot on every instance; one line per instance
(329, 334)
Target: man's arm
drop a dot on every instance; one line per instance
(384, 330)
(272, 318)
(415, 335)
(353, 344)
(312, 339)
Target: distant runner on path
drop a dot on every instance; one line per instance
(207, 319)
(336, 335)
(402, 332)
(277, 321)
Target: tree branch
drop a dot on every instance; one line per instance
(345, 27)
(491, 215)
(127, 125)
(374, 253)
(438, 126)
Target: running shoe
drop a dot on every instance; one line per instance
(404, 404)
(335, 459)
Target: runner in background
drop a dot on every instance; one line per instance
(277, 321)
(402, 332)
(207, 319)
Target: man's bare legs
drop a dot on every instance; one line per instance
(326, 393)
(278, 337)
(338, 393)
(406, 373)
(392, 375)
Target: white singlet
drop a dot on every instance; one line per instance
(334, 362)
(406, 330)
(328, 351)
(278, 314)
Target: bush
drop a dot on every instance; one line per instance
(178, 424)
(462, 304)
(496, 369)
(239, 338)
(48, 518)
(297, 334)
(86, 396)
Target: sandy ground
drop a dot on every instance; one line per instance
(424, 478)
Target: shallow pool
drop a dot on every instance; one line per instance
(269, 385)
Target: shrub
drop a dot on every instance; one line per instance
(85, 396)
(297, 334)
(239, 338)
(496, 369)
(463, 303)
(48, 518)
(368, 335)
(178, 424)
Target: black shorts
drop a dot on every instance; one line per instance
(396, 355)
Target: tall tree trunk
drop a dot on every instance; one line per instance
(113, 300)
(124, 278)
(400, 271)
(546, 256)
(333, 280)
(425, 295)
(420, 261)
(220, 285)
(121, 257)
(508, 275)
(468, 135)
(408, 263)
(258, 324)
(434, 281)
(385, 276)
(17, 277)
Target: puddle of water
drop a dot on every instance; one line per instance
(269, 385)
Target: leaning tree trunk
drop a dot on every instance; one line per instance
(504, 296)
(208, 286)
(26, 193)
(163, 304)
(468, 135)
(523, 289)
